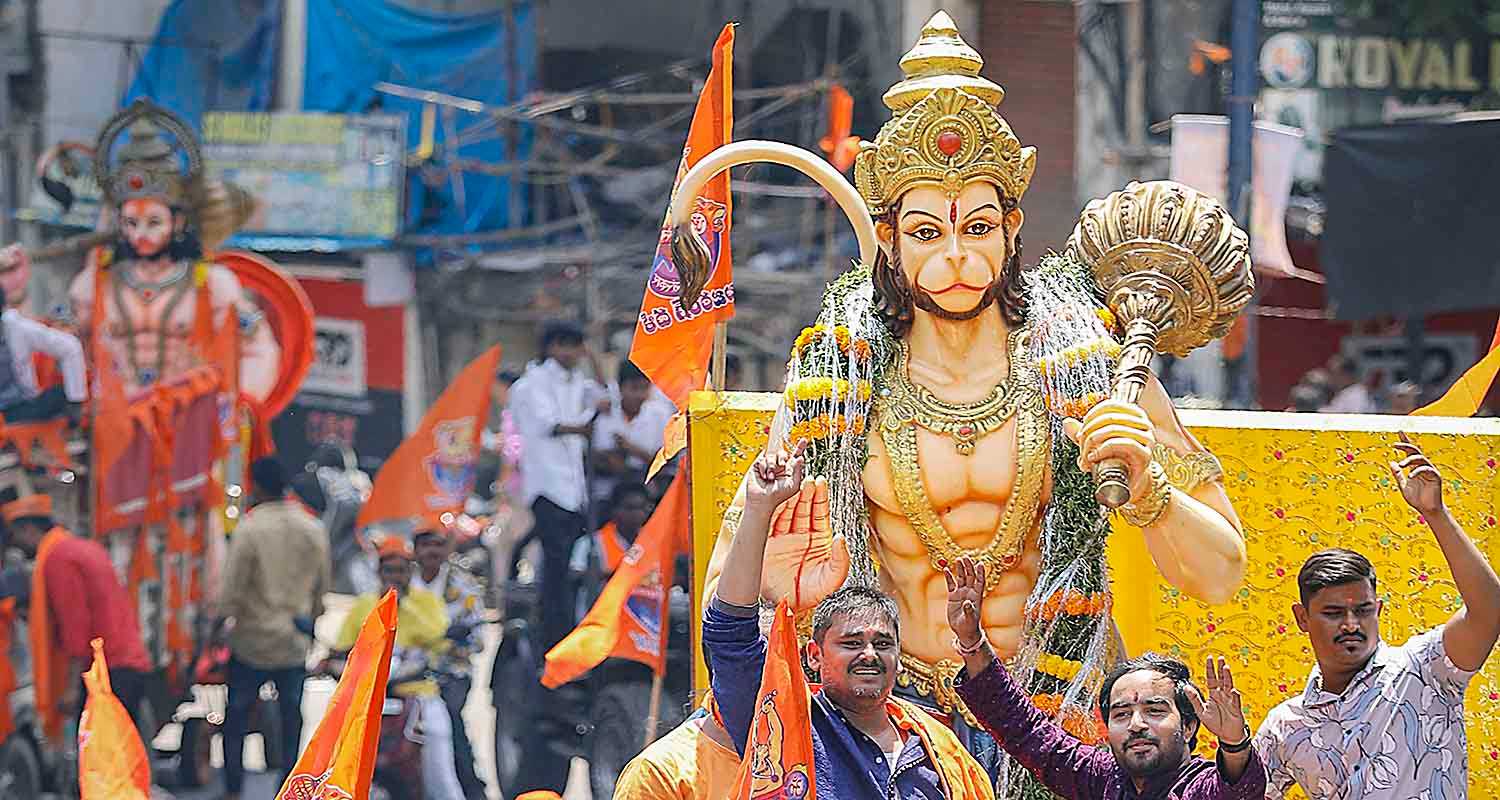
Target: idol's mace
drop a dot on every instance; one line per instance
(1173, 267)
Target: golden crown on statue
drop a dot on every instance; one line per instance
(946, 127)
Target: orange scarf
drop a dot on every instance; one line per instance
(962, 775)
(49, 666)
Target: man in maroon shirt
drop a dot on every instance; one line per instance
(1152, 710)
(76, 597)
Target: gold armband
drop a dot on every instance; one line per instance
(1188, 471)
(1145, 513)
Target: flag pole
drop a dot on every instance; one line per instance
(721, 346)
(653, 716)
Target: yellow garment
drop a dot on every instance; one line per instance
(963, 778)
(421, 636)
(686, 764)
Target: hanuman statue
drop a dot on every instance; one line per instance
(157, 278)
(923, 409)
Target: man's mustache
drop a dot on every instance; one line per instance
(1343, 637)
(1142, 737)
(868, 663)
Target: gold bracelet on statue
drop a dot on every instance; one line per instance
(1145, 512)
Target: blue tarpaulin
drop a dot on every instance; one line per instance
(354, 44)
(212, 55)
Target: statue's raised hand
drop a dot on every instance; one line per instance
(805, 562)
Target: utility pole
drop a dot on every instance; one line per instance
(1244, 42)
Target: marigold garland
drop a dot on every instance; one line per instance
(1074, 603)
(821, 426)
(808, 389)
(1079, 723)
(845, 341)
(1064, 669)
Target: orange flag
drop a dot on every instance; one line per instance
(838, 144)
(339, 760)
(629, 620)
(112, 762)
(1465, 397)
(673, 346)
(779, 753)
(432, 472)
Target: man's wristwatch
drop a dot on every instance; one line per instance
(1237, 747)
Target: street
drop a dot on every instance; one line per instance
(479, 716)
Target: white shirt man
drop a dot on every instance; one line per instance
(21, 400)
(549, 396)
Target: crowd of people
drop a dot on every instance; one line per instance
(1375, 720)
(580, 447)
(1339, 388)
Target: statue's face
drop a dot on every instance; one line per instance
(147, 225)
(15, 274)
(953, 250)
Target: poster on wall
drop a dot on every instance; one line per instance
(351, 398)
(293, 163)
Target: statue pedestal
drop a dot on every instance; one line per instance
(1300, 483)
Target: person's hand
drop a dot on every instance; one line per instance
(603, 405)
(621, 443)
(965, 579)
(775, 478)
(1420, 482)
(804, 561)
(1115, 429)
(1221, 712)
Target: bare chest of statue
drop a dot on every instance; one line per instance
(942, 482)
(148, 321)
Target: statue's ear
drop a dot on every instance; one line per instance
(886, 235)
(1014, 219)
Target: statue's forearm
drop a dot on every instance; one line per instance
(1197, 548)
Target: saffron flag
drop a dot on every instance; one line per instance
(1465, 397)
(840, 146)
(629, 620)
(112, 762)
(339, 760)
(673, 345)
(779, 754)
(432, 472)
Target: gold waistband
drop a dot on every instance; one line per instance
(934, 682)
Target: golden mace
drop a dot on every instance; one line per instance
(1174, 269)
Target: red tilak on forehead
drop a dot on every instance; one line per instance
(953, 211)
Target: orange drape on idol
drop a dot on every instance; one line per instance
(339, 760)
(629, 620)
(112, 763)
(779, 752)
(432, 472)
(672, 346)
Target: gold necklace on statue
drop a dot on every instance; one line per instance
(908, 406)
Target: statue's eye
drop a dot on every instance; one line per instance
(979, 228)
(926, 233)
